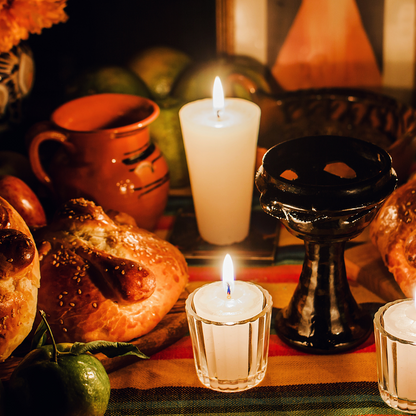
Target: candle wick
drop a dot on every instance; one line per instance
(228, 291)
(218, 113)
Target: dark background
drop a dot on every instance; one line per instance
(103, 32)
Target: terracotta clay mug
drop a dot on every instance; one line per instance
(105, 155)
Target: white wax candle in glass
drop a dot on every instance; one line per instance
(395, 336)
(220, 137)
(231, 349)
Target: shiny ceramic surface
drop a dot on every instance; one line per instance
(105, 155)
(325, 190)
(16, 81)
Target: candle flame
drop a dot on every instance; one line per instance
(228, 275)
(218, 97)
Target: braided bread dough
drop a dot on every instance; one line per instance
(19, 279)
(393, 232)
(102, 277)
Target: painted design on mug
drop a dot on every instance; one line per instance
(130, 171)
(152, 186)
(140, 154)
(141, 158)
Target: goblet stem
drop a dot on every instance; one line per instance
(323, 316)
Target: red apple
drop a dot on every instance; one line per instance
(23, 199)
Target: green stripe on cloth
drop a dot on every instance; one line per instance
(333, 399)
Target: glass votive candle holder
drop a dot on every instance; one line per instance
(395, 339)
(231, 356)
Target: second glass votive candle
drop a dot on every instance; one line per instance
(231, 356)
(395, 339)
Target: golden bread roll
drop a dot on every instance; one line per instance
(103, 278)
(393, 232)
(19, 279)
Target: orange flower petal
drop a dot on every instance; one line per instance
(19, 18)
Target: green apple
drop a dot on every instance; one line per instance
(166, 132)
(159, 67)
(107, 79)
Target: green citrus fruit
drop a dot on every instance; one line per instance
(166, 132)
(109, 79)
(159, 67)
(197, 81)
(74, 385)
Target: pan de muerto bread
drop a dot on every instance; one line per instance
(102, 277)
(19, 279)
(393, 232)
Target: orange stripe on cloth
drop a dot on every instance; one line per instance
(183, 349)
(281, 371)
(273, 274)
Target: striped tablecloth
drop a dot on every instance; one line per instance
(296, 383)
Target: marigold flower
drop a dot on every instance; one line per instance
(19, 18)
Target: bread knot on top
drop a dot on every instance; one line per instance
(128, 280)
(19, 279)
(103, 277)
(17, 252)
(77, 214)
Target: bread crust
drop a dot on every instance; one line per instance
(103, 278)
(19, 279)
(393, 232)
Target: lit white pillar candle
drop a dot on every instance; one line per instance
(400, 321)
(220, 137)
(229, 349)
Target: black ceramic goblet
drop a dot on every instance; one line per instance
(325, 190)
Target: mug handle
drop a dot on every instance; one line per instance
(36, 136)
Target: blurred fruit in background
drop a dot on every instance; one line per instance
(166, 132)
(159, 67)
(108, 79)
(171, 78)
(197, 81)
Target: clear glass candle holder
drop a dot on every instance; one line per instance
(396, 364)
(230, 356)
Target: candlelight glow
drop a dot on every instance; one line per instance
(411, 312)
(228, 275)
(414, 296)
(218, 97)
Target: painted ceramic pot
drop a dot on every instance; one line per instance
(105, 155)
(16, 80)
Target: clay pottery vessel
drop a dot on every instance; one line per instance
(104, 154)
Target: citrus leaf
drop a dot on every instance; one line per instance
(41, 335)
(110, 349)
